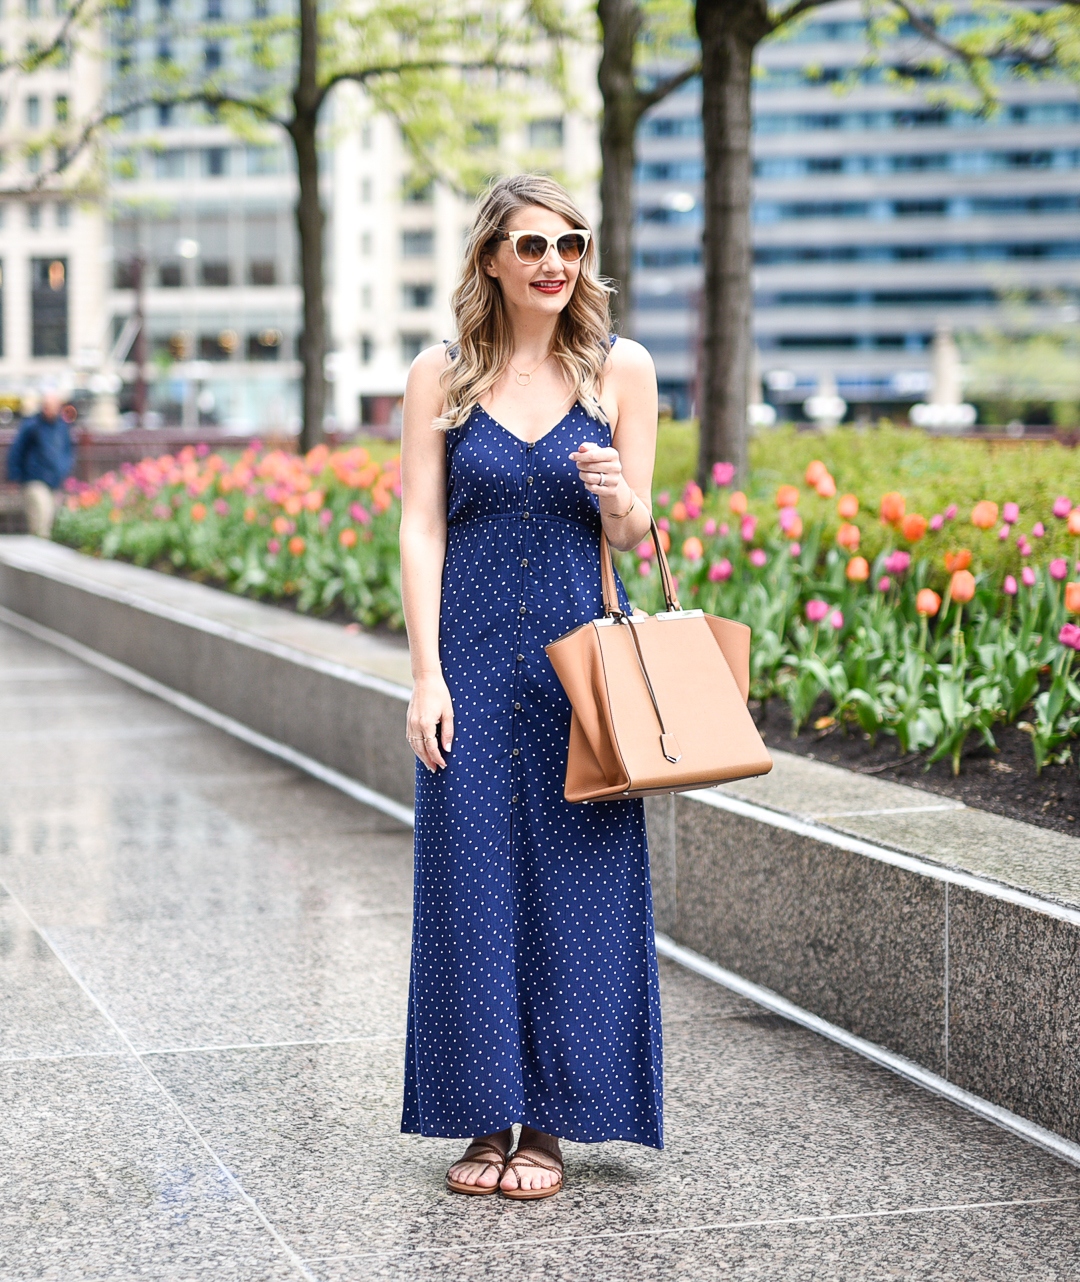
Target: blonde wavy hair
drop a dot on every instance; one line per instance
(484, 343)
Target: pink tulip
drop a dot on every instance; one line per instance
(787, 518)
(719, 571)
(161, 511)
(1027, 576)
(723, 530)
(1039, 530)
(1070, 636)
(1062, 507)
(1059, 568)
(749, 525)
(1009, 587)
(663, 498)
(709, 526)
(884, 583)
(273, 547)
(664, 523)
(950, 512)
(1026, 548)
(1011, 513)
(796, 549)
(836, 619)
(221, 507)
(325, 517)
(816, 610)
(758, 558)
(693, 511)
(646, 550)
(898, 562)
(359, 513)
(1003, 533)
(202, 449)
(644, 569)
(723, 473)
(937, 521)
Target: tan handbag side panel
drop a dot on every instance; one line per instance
(579, 666)
(734, 640)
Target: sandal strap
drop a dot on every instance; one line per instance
(520, 1157)
(481, 1152)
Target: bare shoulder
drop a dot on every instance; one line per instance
(628, 356)
(427, 367)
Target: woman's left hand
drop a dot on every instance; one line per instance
(599, 467)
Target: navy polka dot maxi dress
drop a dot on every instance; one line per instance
(533, 995)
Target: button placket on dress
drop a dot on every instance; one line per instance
(516, 757)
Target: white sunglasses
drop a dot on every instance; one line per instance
(532, 247)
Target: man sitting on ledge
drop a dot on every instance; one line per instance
(40, 459)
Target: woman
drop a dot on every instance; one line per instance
(533, 996)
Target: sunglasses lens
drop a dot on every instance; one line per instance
(531, 249)
(571, 247)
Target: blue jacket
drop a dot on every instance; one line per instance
(41, 451)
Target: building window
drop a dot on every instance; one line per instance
(367, 349)
(263, 160)
(170, 276)
(60, 106)
(164, 114)
(63, 214)
(412, 345)
(49, 306)
(219, 346)
(546, 135)
(417, 244)
(212, 56)
(169, 164)
(365, 244)
(417, 296)
(265, 345)
(33, 162)
(262, 271)
(164, 51)
(33, 217)
(365, 191)
(365, 297)
(261, 8)
(419, 193)
(482, 135)
(214, 272)
(213, 10)
(33, 110)
(215, 161)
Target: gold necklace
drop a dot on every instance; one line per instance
(523, 380)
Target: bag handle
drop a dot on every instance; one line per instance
(607, 574)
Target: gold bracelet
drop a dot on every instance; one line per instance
(618, 516)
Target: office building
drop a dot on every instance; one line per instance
(878, 216)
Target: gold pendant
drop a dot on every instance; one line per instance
(524, 380)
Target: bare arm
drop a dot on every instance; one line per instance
(630, 398)
(423, 553)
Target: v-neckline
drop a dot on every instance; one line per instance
(521, 440)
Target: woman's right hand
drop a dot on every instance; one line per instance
(429, 709)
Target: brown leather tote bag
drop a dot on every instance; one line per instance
(659, 702)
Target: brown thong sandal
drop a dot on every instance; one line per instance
(525, 1195)
(480, 1151)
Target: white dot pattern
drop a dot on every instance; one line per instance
(534, 994)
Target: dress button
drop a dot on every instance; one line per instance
(528, 480)
(513, 799)
(517, 752)
(517, 707)
(521, 658)
(525, 513)
(524, 560)
(523, 610)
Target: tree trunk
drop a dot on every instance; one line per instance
(620, 22)
(310, 226)
(729, 31)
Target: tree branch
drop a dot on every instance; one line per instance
(776, 21)
(364, 74)
(42, 55)
(647, 98)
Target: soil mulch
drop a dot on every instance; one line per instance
(1003, 782)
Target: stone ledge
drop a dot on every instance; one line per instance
(944, 934)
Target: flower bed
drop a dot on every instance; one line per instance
(933, 626)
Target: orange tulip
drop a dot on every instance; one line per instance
(962, 587)
(692, 549)
(314, 500)
(665, 541)
(815, 472)
(984, 514)
(280, 525)
(1072, 598)
(250, 514)
(913, 527)
(858, 569)
(794, 528)
(678, 510)
(297, 545)
(787, 496)
(892, 507)
(826, 487)
(347, 537)
(737, 502)
(848, 507)
(928, 603)
(1074, 521)
(848, 537)
(293, 504)
(957, 560)
(198, 511)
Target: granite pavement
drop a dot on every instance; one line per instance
(203, 970)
